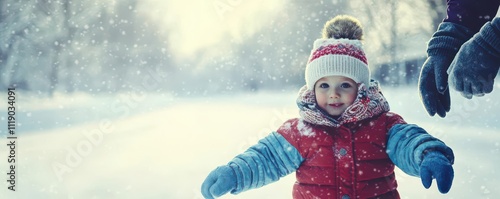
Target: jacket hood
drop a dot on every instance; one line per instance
(369, 102)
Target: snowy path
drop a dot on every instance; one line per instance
(154, 146)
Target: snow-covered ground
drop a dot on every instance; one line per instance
(143, 145)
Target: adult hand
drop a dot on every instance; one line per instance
(473, 71)
(433, 81)
(433, 86)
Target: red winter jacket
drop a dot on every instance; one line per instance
(349, 161)
(344, 157)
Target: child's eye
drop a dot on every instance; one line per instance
(324, 85)
(345, 85)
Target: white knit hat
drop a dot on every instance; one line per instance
(343, 56)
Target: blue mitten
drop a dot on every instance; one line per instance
(476, 64)
(219, 182)
(436, 165)
(433, 80)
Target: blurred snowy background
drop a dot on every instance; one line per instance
(142, 99)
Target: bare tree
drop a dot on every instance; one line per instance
(70, 45)
(15, 32)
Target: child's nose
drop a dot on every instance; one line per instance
(334, 94)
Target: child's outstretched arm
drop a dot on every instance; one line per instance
(417, 153)
(273, 157)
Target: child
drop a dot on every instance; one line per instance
(346, 143)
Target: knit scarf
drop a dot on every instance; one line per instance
(368, 103)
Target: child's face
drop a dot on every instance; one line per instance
(335, 93)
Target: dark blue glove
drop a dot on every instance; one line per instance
(436, 165)
(433, 85)
(219, 182)
(433, 80)
(476, 64)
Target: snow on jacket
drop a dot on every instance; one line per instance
(349, 157)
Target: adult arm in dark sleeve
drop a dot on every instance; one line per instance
(472, 14)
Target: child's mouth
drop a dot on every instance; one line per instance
(336, 105)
